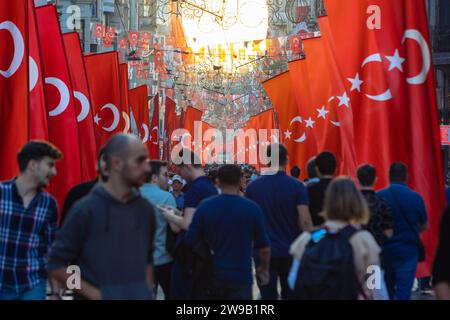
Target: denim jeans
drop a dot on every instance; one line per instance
(400, 272)
(279, 269)
(38, 292)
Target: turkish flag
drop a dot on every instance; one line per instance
(122, 43)
(192, 116)
(62, 117)
(14, 84)
(154, 136)
(171, 122)
(82, 97)
(404, 43)
(298, 139)
(38, 122)
(102, 71)
(123, 74)
(139, 104)
(99, 30)
(133, 37)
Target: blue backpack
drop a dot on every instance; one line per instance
(327, 270)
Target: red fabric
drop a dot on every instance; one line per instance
(13, 85)
(139, 105)
(38, 122)
(171, 123)
(82, 100)
(154, 136)
(123, 74)
(102, 71)
(62, 120)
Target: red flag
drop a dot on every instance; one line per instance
(191, 116)
(99, 31)
(110, 33)
(295, 43)
(14, 84)
(139, 105)
(38, 122)
(122, 43)
(62, 121)
(404, 43)
(102, 71)
(82, 97)
(171, 123)
(123, 73)
(133, 37)
(154, 137)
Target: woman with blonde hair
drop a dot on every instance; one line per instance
(339, 260)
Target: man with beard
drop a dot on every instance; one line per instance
(109, 233)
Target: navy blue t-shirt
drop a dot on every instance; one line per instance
(199, 189)
(279, 195)
(233, 226)
(404, 240)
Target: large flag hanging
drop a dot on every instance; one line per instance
(62, 118)
(102, 71)
(82, 97)
(190, 139)
(154, 135)
(14, 84)
(137, 98)
(123, 74)
(171, 123)
(300, 143)
(400, 51)
(38, 128)
(320, 92)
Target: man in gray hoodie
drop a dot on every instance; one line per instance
(109, 233)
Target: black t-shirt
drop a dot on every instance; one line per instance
(441, 267)
(75, 194)
(316, 194)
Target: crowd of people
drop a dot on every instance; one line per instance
(207, 233)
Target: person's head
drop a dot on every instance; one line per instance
(367, 175)
(311, 167)
(190, 165)
(325, 164)
(398, 172)
(344, 202)
(177, 183)
(229, 176)
(295, 172)
(102, 172)
(126, 160)
(159, 174)
(37, 161)
(277, 153)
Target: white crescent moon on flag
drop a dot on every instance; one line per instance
(19, 48)
(116, 115)
(85, 105)
(376, 57)
(126, 118)
(299, 120)
(415, 35)
(274, 139)
(387, 95)
(335, 123)
(182, 139)
(64, 93)
(153, 129)
(146, 133)
(34, 73)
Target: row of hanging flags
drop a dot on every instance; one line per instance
(365, 91)
(50, 91)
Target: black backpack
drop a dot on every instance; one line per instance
(326, 270)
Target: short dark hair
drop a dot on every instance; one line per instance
(117, 145)
(326, 163)
(155, 166)
(366, 175)
(295, 172)
(230, 174)
(194, 159)
(398, 172)
(282, 153)
(311, 168)
(36, 150)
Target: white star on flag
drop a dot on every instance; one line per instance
(322, 112)
(344, 100)
(97, 119)
(287, 134)
(309, 123)
(396, 61)
(356, 83)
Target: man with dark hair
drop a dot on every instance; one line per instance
(284, 202)
(82, 189)
(325, 167)
(109, 234)
(380, 224)
(401, 252)
(295, 172)
(200, 188)
(232, 226)
(154, 190)
(28, 222)
(311, 168)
